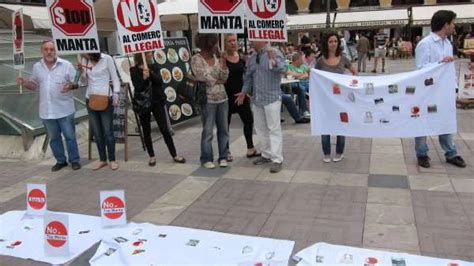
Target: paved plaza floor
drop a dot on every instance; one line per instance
(377, 197)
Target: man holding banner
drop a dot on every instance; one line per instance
(54, 77)
(433, 49)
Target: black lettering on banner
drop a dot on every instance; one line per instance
(126, 39)
(77, 44)
(229, 22)
(143, 36)
(251, 23)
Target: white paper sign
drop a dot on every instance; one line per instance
(466, 81)
(112, 208)
(36, 199)
(56, 235)
(221, 16)
(417, 103)
(139, 26)
(73, 26)
(18, 39)
(266, 20)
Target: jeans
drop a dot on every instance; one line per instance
(290, 105)
(326, 142)
(300, 90)
(67, 127)
(214, 113)
(160, 114)
(446, 142)
(102, 129)
(361, 61)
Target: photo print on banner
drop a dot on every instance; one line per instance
(266, 20)
(138, 25)
(221, 16)
(74, 27)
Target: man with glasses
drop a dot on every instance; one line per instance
(263, 75)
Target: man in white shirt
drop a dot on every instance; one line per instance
(433, 49)
(54, 77)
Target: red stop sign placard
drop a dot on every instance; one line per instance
(136, 15)
(36, 199)
(221, 6)
(56, 234)
(264, 8)
(113, 207)
(73, 18)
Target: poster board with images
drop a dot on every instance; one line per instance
(466, 82)
(175, 63)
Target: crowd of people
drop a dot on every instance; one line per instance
(249, 85)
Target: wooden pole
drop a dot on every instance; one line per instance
(20, 75)
(145, 65)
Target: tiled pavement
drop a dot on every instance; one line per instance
(376, 197)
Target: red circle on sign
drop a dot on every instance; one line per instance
(136, 15)
(264, 8)
(415, 110)
(221, 7)
(73, 18)
(36, 199)
(112, 203)
(56, 234)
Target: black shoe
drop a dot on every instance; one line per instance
(76, 166)
(457, 161)
(383, 70)
(424, 161)
(282, 120)
(303, 120)
(374, 71)
(58, 166)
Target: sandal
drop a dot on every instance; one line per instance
(230, 158)
(152, 162)
(114, 165)
(254, 154)
(99, 165)
(179, 159)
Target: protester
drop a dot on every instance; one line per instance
(362, 47)
(235, 81)
(431, 50)
(380, 44)
(214, 73)
(299, 70)
(149, 89)
(264, 72)
(333, 61)
(97, 71)
(54, 78)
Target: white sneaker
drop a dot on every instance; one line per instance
(223, 163)
(327, 158)
(307, 114)
(338, 158)
(209, 165)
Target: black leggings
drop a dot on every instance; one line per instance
(246, 116)
(159, 113)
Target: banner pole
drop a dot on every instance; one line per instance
(145, 65)
(20, 75)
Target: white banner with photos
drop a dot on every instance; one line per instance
(417, 103)
(22, 236)
(323, 254)
(140, 244)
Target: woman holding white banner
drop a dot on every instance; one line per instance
(333, 61)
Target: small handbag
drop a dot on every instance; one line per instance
(98, 102)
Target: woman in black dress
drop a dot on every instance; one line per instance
(141, 78)
(235, 81)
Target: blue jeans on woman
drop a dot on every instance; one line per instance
(102, 129)
(326, 142)
(214, 113)
(67, 127)
(446, 142)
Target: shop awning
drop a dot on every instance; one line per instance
(36, 17)
(422, 14)
(307, 21)
(371, 19)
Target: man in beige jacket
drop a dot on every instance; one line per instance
(363, 46)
